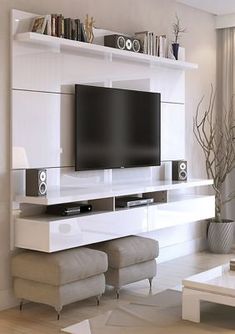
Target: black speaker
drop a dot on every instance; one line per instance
(36, 182)
(179, 170)
(122, 42)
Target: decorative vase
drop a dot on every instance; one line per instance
(175, 50)
(220, 236)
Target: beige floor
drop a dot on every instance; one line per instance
(41, 319)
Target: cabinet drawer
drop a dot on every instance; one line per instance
(180, 212)
(117, 223)
(50, 235)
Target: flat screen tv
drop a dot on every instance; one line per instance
(116, 128)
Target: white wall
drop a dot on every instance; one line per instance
(123, 15)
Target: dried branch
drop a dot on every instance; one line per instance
(177, 29)
(217, 140)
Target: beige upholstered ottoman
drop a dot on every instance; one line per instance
(130, 259)
(59, 278)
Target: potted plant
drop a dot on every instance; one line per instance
(215, 133)
(177, 31)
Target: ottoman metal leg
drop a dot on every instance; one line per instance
(150, 283)
(21, 304)
(58, 310)
(117, 293)
(98, 300)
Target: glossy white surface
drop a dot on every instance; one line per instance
(65, 44)
(42, 125)
(73, 194)
(51, 234)
(180, 212)
(56, 71)
(172, 131)
(40, 70)
(56, 234)
(217, 280)
(44, 71)
(171, 84)
(48, 119)
(216, 285)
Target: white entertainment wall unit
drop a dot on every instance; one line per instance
(44, 72)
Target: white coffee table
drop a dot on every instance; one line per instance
(216, 285)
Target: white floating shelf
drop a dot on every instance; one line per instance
(94, 49)
(75, 194)
(50, 234)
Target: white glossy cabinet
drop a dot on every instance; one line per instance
(180, 212)
(49, 234)
(172, 131)
(42, 126)
(44, 71)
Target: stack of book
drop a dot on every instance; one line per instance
(232, 264)
(152, 44)
(58, 26)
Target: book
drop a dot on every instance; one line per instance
(67, 28)
(150, 43)
(47, 30)
(78, 29)
(154, 45)
(58, 25)
(83, 33)
(157, 46)
(142, 36)
(162, 46)
(62, 27)
(73, 30)
(39, 24)
(53, 24)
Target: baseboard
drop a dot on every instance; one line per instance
(181, 249)
(7, 299)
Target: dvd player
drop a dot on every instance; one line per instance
(128, 202)
(68, 209)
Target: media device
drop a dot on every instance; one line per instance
(36, 182)
(116, 128)
(179, 170)
(131, 201)
(122, 42)
(68, 209)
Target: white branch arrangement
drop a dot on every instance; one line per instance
(216, 136)
(177, 29)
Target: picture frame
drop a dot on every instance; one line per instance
(39, 24)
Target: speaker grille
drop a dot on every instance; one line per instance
(36, 182)
(179, 170)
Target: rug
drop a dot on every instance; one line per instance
(160, 313)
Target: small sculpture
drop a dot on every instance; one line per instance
(89, 24)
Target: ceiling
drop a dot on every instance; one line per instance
(217, 7)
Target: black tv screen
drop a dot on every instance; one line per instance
(116, 128)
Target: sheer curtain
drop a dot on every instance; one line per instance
(225, 92)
